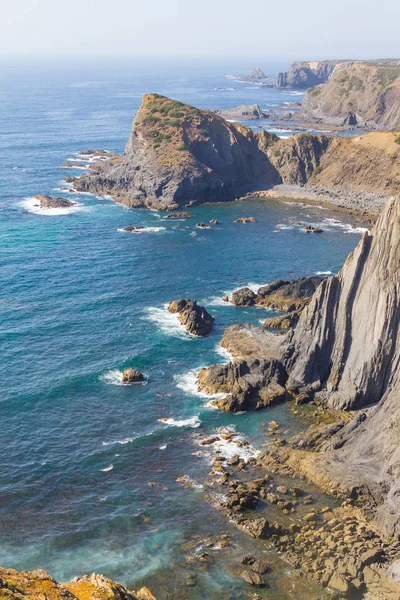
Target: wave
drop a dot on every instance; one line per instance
(226, 355)
(188, 482)
(188, 383)
(32, 205)
(107, 469)
(335, 223)
(113, 377)
(144, 230)
(193, 422)
(323, 273)
(168, 322)
(228, 448)
(284, 227)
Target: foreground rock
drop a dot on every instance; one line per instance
(195, 318)
(50, 202)
(132, 376)
(38, 585)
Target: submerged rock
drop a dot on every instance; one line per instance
(132, 376)
(195, 318)
(133, 228)
(180, 215)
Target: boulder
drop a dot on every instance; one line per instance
(132, 376)
(243, 297)
(252, 578)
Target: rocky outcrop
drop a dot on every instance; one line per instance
(193, 317)
(249, 384)
(307, 74)
(287, 295)
(177, 153)
(50, 202)
(361, 93)
(299, 157)
(256, 76)
(242, 112)
(35, 585)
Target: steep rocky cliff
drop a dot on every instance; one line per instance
(364, 94)
(346, 339)
(177, 153)
(307, 74)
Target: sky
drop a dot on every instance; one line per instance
(262, 30)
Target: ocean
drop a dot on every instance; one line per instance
(94, 475)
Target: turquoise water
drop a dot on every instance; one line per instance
(81, 300)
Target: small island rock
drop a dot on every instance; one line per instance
(50, 202)
(132, 376)
(195, 318)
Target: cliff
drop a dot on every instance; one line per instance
(362, 94)
(177, 153)
(307, 74)
(35, 585)
(346, 339)
(347, 345)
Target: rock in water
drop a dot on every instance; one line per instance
(195, 318)
(307, 74)
(177, 153)
(132, 376)
(243, 297)
(50, 202)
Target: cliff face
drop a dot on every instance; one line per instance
(177, 153)
(364, 94)
(297, 158)
(306, 74)
(346, 341)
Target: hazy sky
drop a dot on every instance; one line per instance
(259, 29)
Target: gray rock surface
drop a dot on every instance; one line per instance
(243, 112)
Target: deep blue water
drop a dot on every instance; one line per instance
(80, 301)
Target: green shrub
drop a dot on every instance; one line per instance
(397, 140)
(316, 92)
(181, 147)
(317, 170)
(276, 153)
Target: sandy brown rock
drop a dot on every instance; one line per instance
(38, 585)
(50, 202)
